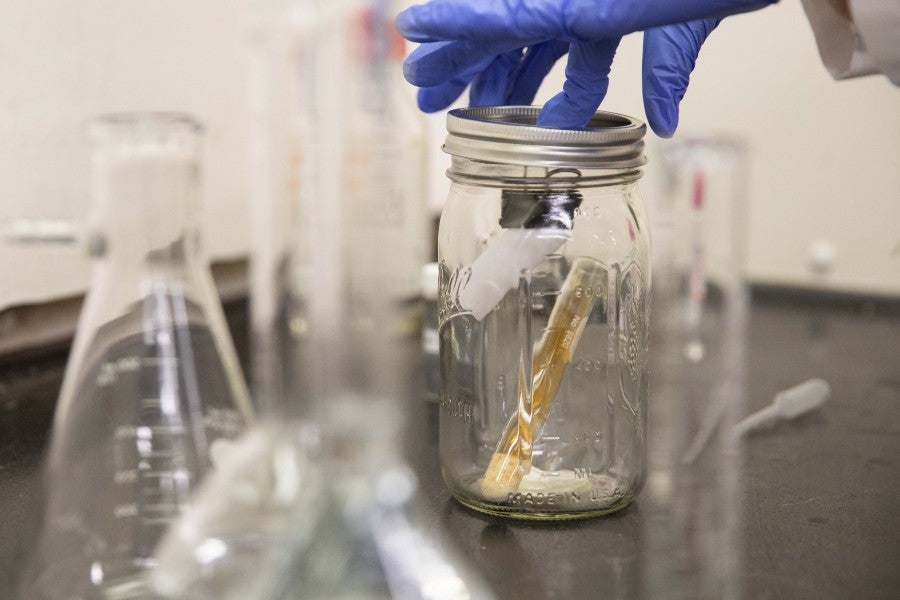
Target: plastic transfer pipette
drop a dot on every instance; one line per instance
(788, 404)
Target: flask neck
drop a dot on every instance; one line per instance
(145, 178)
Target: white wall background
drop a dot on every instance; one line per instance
(825, 156)
(61, 63)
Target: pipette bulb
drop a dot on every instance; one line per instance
(799, 399)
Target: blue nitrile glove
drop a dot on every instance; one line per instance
(505, 48)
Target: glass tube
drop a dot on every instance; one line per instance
(335, 520)
(552, 355)
(697, 389)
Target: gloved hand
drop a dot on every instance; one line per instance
(505, 48)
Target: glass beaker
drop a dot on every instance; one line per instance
(544, 256)
(152, 383)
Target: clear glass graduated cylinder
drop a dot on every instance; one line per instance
(544, 309)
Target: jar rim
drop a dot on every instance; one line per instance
(510, 135)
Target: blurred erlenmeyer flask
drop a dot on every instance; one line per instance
(260, 525)
(152, 384)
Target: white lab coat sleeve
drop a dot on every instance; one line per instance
(870, 43)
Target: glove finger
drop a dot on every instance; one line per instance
(670, 53)
(491, 86)
(439, 97)
(587, 80)
(532, 70)
(437, 62)
(480, 21)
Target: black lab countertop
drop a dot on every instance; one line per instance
(811, 506)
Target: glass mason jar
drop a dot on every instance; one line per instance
(544, 256)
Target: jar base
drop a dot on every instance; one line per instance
(544, 503)
(514, 512)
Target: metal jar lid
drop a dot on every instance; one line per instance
(509, 135)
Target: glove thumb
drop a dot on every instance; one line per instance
(670, 53)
